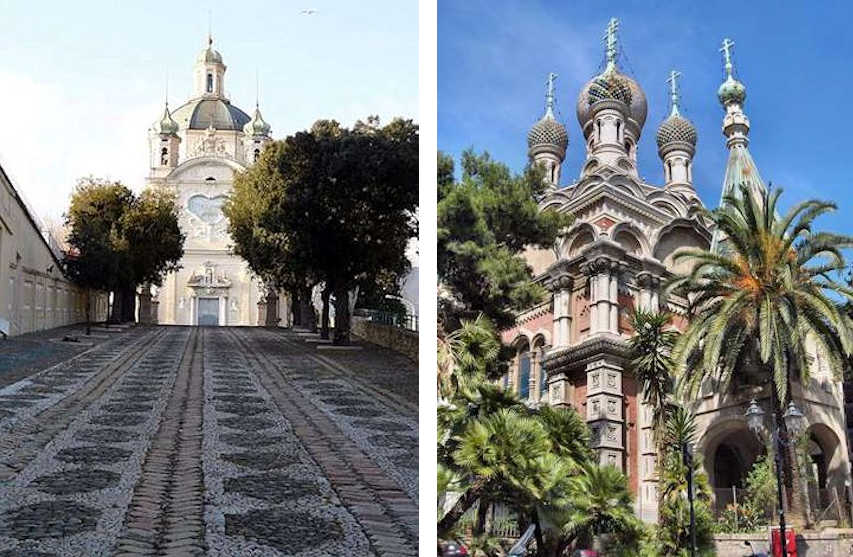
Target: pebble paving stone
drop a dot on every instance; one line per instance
(215, 441)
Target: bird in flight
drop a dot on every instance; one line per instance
(308, 12)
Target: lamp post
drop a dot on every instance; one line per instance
(796, 424)
(687, 460)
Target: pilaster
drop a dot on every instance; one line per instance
(604, 411)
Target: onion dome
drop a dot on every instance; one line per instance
(731, 91)
(613, 84)
(209, 55)
(676, 129)
(548, 134)
(257, 126)
(167, 124)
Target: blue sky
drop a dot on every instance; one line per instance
(81, 82)
(793, 57)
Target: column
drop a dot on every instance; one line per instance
(223, 310)
(562, 289)
(193, 310)
(603, 288)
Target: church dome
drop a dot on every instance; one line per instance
(209, 55)
(257, 126)
(548, 132)
(676, 129)
(637, 104)
(167, 124)
(202, 113)
(731, 91)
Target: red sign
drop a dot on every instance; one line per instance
(776, 543)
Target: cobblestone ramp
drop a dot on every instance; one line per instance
(205, 441)
(382, 500)
(68, 497)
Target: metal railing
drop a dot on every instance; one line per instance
(407, 321)
(825, 504)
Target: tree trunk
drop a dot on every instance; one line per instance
(115, 311)
(296, 307)
(540, 541)
(342, 317)
(464, 503)
(791, 477)
(309, 318)
(128, 313)
(482, 511)
(88, 311)
(324, 324)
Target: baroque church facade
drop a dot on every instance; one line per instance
(195, 151)
(572, 350)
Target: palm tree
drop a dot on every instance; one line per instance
(466, 356)
(651, 348)
(598, 502)
(674, 527)
(768, 290)
(496, 454)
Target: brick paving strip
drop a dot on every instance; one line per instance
(166, 512)
(390, 399)
(385, 512)
(21, 441)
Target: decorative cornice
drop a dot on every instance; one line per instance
(559, 361)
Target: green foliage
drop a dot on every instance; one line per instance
(485, 222)
(763, 295)
(598, 503)
(673, 532)
(651, 347)
(113, 232)
(467, 357)
(329, 205)
(752, 513)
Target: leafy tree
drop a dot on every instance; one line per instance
(110, 241)
(329, 205)
(754, 304)
(485, 222)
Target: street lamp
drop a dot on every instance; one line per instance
(796, 423)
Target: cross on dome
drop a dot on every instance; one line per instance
(549, 94)
(727, 54)
(673, 89)
(611, 41)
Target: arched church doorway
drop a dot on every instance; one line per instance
(730, 449)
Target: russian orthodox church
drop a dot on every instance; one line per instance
(572, 350)
(195, 150)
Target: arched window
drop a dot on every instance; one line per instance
(524, 372)
(164, 156)
(598, 130)
(668, 171)
(257, 153)
(210, 83)
(618, 130)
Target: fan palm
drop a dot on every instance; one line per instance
(498, 453)
(598, 502)
(466, 355)
(769, 289)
